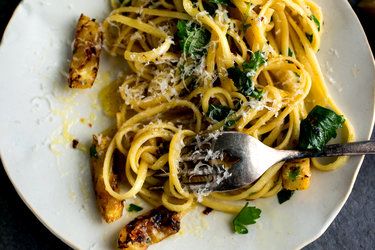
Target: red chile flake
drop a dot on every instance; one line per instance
(207, 210)
(75, 143)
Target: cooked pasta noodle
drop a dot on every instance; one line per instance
(167, 95)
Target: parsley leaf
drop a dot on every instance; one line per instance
(218, 112)
(240, 229)
(257, 94)
(294, 172)
(134, 208)
(258, 59)
(316, 21)
(284, 195)
(93, 152)
(309, 37)
(243, 78)
(318, 128)
(246, 216)
(193, 38)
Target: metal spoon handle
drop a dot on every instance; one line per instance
(353, 148)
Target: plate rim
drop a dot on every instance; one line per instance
(325, 226)
(19, 193)
(339, 207)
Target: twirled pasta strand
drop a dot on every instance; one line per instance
(158, 108)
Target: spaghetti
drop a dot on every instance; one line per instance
(173, 86)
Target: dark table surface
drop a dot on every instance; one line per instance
(353, 228)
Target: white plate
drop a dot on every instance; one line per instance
(34, 102)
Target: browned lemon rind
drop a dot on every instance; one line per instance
(110, 208)
(87, 47)
(150, 228)
(296, 174)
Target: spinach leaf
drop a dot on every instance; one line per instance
(318, 128)
(243, 78)
(211, 5)
(242, 82)
(218, 112)
(284, 195)
(193, 38)
(316, 21)
(134, 208)
(247, 216)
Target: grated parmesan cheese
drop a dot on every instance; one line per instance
(222, 14)
(136, 36)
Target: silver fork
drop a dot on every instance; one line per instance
(253, 159)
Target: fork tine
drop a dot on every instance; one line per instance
(246, 157)
(200, 187)
(193, 183)
(211, 175)
(231, 142)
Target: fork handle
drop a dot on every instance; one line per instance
(353, 148)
